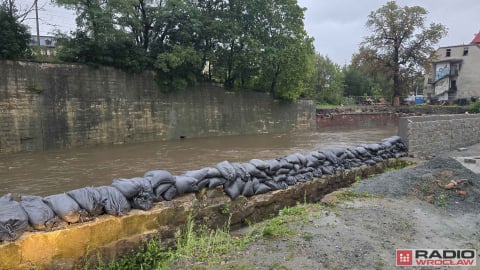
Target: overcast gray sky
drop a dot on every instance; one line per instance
(337, 26)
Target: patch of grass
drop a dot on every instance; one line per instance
(441, 199)
(349, 195)
(35, 88)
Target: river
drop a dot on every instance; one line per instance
(51, 172)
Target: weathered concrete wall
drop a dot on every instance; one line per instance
(357, 120)
(115, 236)
(51, 106)
(430, 135)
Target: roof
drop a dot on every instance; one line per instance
(476, 39)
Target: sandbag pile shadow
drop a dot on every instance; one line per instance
(247, 179)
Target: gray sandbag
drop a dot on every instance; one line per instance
(282, 171)
(170, 193)
(377, 158)
(260, 164)
(374, 147)
(144, 199)
(400, 154)
(291, 180)
(370, 162)
(318, 155)
(330, 156)
(260, 188)
(89, 199)
(273, 166)
(254, 171)
(349, 153)
(114, 202)
(285, 164)
(274, 185)
(328, 170)
(13, 219)
(226, 170)
(293, 159)
(40, 216)
(301, 159)
(216, 181)
(241, 171)
(185, 184)
(312, 161)
(197, 174)
(158, 177)
(65, 207)
(128, 187)
(203, 183)
(213, 172)
(234, 188)
(280, 178)
(248, 189)
(308, 176)
(317, 172)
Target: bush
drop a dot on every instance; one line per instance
(475, 106)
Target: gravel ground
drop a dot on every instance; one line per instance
(409, 209)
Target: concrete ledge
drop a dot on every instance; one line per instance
(112, 237)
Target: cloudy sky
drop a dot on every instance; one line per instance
(337, 26)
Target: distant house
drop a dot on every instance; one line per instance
(47, 45)
(455, 76)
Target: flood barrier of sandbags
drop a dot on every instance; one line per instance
(245, 179)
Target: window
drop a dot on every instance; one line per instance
(465, 51)
(448, 53)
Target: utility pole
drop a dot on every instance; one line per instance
(36, 18)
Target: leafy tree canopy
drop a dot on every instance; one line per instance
(14, 36)
(401, 41)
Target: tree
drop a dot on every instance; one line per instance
(401, 40)
(14, 36)
(327, 81)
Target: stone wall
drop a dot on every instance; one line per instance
(51, 106)
(80, 243)
(431, 135)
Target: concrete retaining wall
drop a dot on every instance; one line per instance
(51, 106)
(431, 135)
(115, 236)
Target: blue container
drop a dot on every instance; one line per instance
(419, 100)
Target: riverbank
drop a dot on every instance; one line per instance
(362, 226)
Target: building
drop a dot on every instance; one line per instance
(455, 75)
(47, 45)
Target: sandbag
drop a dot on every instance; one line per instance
(65, 207)
(274, 185)
(285, 164)
(273, 166)
(293, 159)
(241, 171)
(89, 199)
(185, 184)
(144, 199)
(227, 170)
(158, 177)
(13, 219)
(248, 189)
(213, 172)
(114, 202)
(216, 181)
(197, 174)
(128, 187)
(40, 216)
(158, 192)
(259, 164)
(170, 193)
(318, 155)
(260, 188)
(234, 188)
(291, 180)
(301, 159)
(253, 171)
(312, 161)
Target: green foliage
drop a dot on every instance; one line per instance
(400, 42)
(475, 106)
(246, 44)
(14, 36)
(327, 80)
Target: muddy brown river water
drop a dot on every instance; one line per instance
(51, 172)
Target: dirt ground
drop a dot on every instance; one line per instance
(408, 209)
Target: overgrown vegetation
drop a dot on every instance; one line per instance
(475, 106)
(202, 247)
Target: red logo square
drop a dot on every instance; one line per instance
(404, 257)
